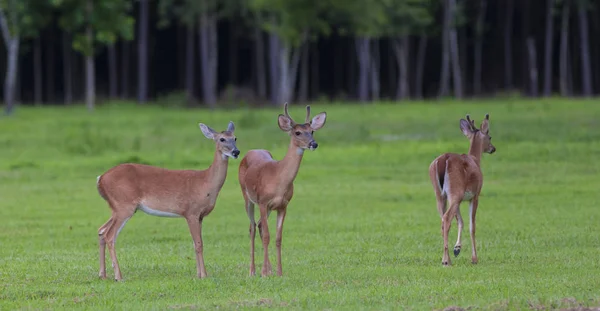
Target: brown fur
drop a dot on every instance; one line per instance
(456, 178)
(190, 194)
(270, 183)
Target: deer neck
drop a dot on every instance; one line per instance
(290, 164)
(475, 149)
(217, 172)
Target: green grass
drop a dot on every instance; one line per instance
(362, 231)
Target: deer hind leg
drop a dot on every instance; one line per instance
(119, 221)
(446, 222)
(459, 220)
(264, 232)
(102, 245)
(250, 212)
(472, 212)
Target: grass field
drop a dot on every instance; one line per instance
(362, 231)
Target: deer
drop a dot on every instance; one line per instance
(269, 183)
(457, 178)
(189, 194)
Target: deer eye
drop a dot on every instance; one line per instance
(298, 133)
(222, 139)
(235, 139)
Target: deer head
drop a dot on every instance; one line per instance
(225, 140)
(302, 134)
(478, 136)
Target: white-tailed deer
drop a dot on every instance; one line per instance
(457, 178)
(190, 194)
(270, 184)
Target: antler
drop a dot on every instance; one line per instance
(487, 116)
(307, 114)
(471, 122)
(285, 108)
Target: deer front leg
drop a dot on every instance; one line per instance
(446, 222)
(195, 225)
(472, 212)
(280, 219)
(264, 230)
(458, 244)
(102, 247)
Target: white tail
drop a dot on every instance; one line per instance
(190, 194)
(270, 183)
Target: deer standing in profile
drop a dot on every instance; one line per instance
(457, 178)
(190, 194)
(269, 183)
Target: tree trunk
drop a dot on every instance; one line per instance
(189, 65)
(375, 62)
(274, 56)
(304, 72)
(67, 70)
(208, 57)
(261, 74)
(400, 47)
(525, 34)
(125, 70)
(478, 59)
(421, 53)
(50, 63)
(288, 72)
(233, 53)
(586, 65)
(90, 91)
(564, 51)
(37, 70)
(12, 44)
(315, 70)
(143, 52)
(364, 59)
(454, 54)
(548, 50)
(445, 71)
(533, 70)
(112, 71)
(508, 30)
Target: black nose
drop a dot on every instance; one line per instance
(235, 153)
(313, 145)
(493, 150)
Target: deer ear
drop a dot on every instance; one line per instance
(285, 124)
(485, 125)
(207, 131)
(231, 127)
(318, 121)
(465, 127)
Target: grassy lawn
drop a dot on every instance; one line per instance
(362, 231)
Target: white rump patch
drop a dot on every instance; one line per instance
(154, 212)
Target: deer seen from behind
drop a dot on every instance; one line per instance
(269, 183)
(457, 178)
(190, 194)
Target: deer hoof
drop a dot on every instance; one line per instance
(445, 263)
(456, 251)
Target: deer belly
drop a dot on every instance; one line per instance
(154, 212)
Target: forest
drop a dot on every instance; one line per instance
(257, 52)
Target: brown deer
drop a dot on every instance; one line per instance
(457, 178)
(190, 194)
(270, 184)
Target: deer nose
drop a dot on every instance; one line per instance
(235, 153)
(313, 145)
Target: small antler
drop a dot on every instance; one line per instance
(285, 109)
(307, 114)
(487, 116)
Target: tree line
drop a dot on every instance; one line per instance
(259, 51)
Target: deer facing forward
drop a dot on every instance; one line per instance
(457, 178)
(270, 184)
(190, 194)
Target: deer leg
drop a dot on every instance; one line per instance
(280, 219)
(195, 226)
(266, 269)
(441, 204)
(250, 211)
(102, 244)
(259, 226)
(458, 244)
(472, 212)
(111, 238)
(446, 222)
